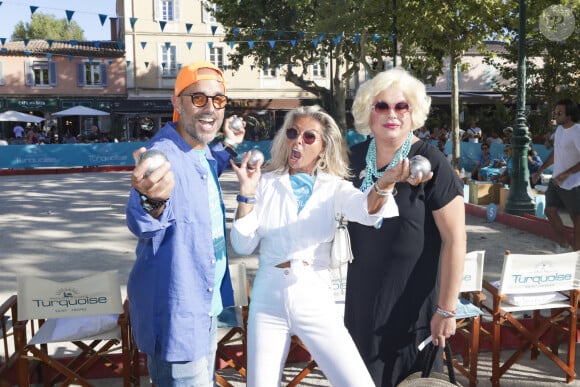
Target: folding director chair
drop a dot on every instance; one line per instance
(86, 313)
(469, 315)
(547, 286)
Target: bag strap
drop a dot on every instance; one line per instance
(432, 353)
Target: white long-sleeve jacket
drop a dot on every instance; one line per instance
(287, 235)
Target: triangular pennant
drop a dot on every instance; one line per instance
(50, 42)
(120, 44)
(167, 45)
(293, 42)
(33, 9)
(210, 45)
(225, 67)
(162, 25)
(376, 38)
(73, 43)
(251, 66)
(236, 31)
(251, 44)
(128, 63)
(320, 36)
(69, 15)
(26, 41)
(315, 43)
(301, 35)
(27, 52)
(3, 40)
(49, 56)
(213, 30)
(188, 44)
(188, 27)
(70, 59)
(259, 32)
(102, 18)
(272, 43)
(146, 65)
(231, 44)
(110, 61)
(4, 50)
(132, 21)
(97, 44)
(163, 65)
(143, 45)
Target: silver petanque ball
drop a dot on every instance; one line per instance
(418, 164)
(255, 156)
(157, 158)
(237, 124)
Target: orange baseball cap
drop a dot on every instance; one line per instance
(188, 75)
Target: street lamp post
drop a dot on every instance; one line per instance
(394, 32)
(518, 200)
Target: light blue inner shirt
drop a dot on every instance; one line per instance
(302, 185)
(217, 231)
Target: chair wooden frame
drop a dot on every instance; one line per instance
(236, 335)
(561, 321)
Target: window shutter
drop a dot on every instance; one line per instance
(81, 78)
(52, 75)
(204, 13)
(157, 10)
(176, 10)
(104, 78)
(28, 74)
(2, 81)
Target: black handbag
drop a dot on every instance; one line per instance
(427, 378)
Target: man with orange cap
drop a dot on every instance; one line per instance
(180, 281)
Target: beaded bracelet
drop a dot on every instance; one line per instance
(385, 192)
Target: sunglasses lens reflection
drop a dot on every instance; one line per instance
(293, 133)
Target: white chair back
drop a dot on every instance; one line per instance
(239, 283)
(529, 274)
(473, 271)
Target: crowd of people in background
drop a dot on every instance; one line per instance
(34, 135)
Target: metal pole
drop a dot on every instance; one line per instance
(519, 201)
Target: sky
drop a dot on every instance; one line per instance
(86, 14)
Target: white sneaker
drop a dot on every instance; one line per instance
(559, 249)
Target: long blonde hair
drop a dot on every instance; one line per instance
(334, 158)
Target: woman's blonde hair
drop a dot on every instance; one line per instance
(334, 157)
(397, 78)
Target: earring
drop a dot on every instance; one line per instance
(321, 164)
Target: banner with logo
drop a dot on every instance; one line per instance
(89, 296)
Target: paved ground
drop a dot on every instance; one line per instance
(66, 226)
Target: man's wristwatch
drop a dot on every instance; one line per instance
(246, 199)
(150, 205)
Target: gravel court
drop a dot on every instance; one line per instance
(68, 225)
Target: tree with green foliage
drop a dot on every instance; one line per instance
(45, 26)
(295, 35)
(552, 66)
(433, 31)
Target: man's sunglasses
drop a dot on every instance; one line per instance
(219, 101)
(308, 136)
(384, 108)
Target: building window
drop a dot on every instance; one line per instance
(216, 56)
(169, 61)
(40, 73)
(92, 74)
(167, 10)
(319, 70)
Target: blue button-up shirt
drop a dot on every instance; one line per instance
(171, 285)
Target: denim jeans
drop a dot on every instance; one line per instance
(198, 373)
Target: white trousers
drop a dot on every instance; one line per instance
(299, 301)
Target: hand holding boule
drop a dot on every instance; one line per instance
(255, 156)
(418, 164)
(237, 125)
(157, 158)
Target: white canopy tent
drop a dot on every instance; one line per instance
(80, 111)
(15, 116)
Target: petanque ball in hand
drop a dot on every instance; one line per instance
(418, 164)
(157, 158)
(255, 156)
(237, 125)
